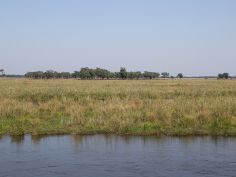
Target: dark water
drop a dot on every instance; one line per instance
(116, 156)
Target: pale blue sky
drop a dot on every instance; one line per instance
(196, 37)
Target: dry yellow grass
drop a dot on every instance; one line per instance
(172, 107)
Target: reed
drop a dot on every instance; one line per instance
(139, 107)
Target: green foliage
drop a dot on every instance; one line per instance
(2, 72)
(89, 73)
(102, 73)
(165, 74)
(180, 75)
(86, 73)
(64, 75)
(150, 75)
(123, 73)
(134, 75)
(223, 76)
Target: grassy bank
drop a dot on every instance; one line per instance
(171, 107)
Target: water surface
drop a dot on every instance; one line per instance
(116, 156)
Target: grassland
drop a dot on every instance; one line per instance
(153, 107)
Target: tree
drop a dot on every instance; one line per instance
(138, 75)
(49, 74)
(64, 75)
(150, 75)
(101, 73)
(2, 72)
(92, 74)
(134, 75)
(220, 76)
(226, 75)
(223, 76)
(111, 75)
(165, 74)
(28, 74)
(180, 75)
(86, 73)
(35, 75)
(38, 75)
(76, 74)
(117, 75)
(131, 75)
(123, 73)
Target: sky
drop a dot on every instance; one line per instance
(194, 37)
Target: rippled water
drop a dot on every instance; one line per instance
(116, 156)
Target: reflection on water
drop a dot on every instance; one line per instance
(37, 138)
(17, 139)
(100, 155)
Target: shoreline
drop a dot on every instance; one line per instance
(156, 134)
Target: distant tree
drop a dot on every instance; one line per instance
(64, 75)
(165, 74)
(223, 76)
(87, 73)
(134, 75)
(28, 74)
(76, 74)
(39, 74)
(226, 75)
(84, 73)
(92, 74)
(180, 75)
(117, 75)
(150, 75)
(102, 73)
(2, 72)
(139, 74)
(35, 75)
(147, 75)
(123, 73)
(220, 76)
(49, 74)
(111, 75)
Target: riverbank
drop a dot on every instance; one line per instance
(152, 107)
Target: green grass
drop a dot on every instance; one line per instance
(152, 107)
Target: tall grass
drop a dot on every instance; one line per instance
(171, 107)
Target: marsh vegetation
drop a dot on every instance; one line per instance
(147, 107)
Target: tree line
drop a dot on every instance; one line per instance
(98, 73)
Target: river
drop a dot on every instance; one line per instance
(117, 156)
